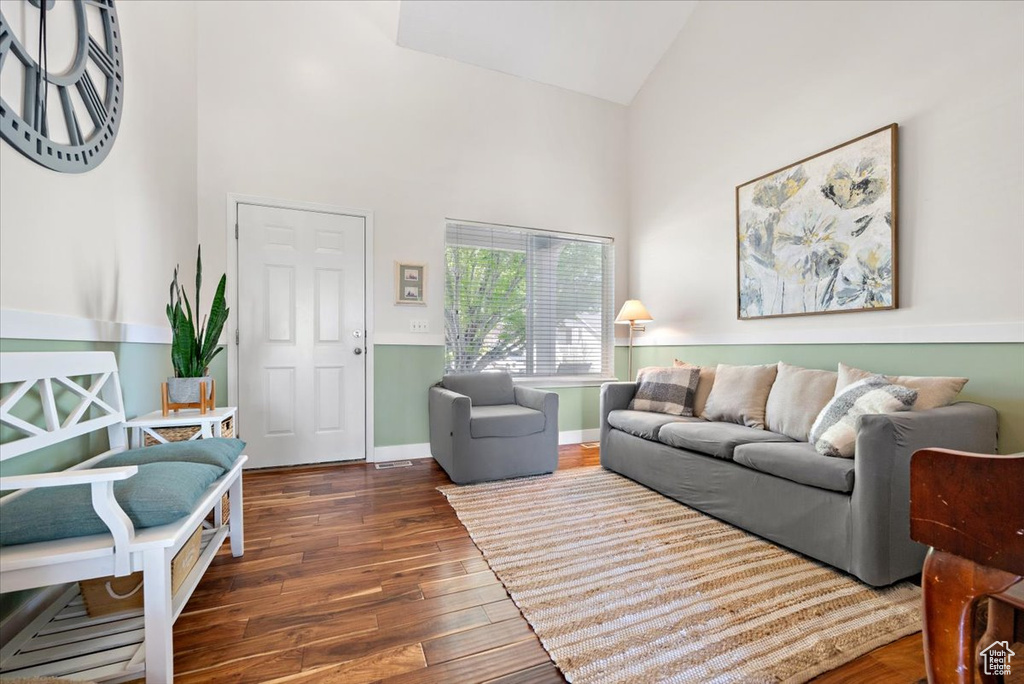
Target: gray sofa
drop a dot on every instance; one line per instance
(484, 428)
(853, 514)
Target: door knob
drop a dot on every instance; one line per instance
(358, 351)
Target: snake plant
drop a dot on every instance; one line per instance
(192, 349)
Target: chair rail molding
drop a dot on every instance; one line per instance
(962, 333)
(38, 325)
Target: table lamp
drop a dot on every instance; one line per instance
(633, 312)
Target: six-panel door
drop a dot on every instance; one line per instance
(301, 323)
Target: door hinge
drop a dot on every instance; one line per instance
(236, 337)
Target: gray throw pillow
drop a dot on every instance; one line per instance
(158, 494)
(216, 451)
(707, 380)
(666, 390)
(834, 433)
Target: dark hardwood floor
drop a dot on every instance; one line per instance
(353, 574)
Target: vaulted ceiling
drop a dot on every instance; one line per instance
(604, 48)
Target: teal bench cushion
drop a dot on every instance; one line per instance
(158, 494)
(217, 451)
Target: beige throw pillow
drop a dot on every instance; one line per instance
(707, 379)
(796, 399)
(932, 392)
(739, 394)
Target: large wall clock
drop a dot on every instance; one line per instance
(63, 116)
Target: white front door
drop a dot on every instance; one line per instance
(302, 332)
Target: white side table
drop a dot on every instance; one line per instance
(187, 424)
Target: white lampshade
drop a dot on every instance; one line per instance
(633, 311)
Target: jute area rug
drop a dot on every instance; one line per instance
(622, 584)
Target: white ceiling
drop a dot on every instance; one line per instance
(604, 48)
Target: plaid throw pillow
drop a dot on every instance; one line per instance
(666, 390)
(834, 432)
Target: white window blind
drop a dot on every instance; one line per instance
(530, 302)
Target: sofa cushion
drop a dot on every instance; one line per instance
(507, 420)
(798, 462)
(158, 494)
(715, 439)
(643, 423)
(796, 399)
(932, 392)
(216, 451)
(666, 390)
(834, 432)
(483, 389)
(740, 394)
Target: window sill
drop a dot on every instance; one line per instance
(557, 381)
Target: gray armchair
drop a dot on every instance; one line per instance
(484, 428)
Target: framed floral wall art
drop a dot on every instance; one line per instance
(819, 236)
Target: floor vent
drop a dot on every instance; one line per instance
(393, 464)
(590, 445)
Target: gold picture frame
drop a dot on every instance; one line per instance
(818, 236)
(410, 284)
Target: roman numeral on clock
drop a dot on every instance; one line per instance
(93, 102)
(102, 59)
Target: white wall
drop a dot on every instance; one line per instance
(103, 244)
(315, 102)
(749, 87)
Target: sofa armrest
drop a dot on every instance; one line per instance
(614, 396)
(539, 400)
(881, 488)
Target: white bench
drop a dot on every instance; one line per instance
(124, 550)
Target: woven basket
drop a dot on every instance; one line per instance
(184, 433)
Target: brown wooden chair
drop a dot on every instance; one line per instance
(970, 509)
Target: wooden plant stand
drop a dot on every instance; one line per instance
(206, 401)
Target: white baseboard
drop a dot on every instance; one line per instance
(578, 436)
(404, 452)
(400, 452)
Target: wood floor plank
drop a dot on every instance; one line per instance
(342, 650)
(357, 575)
(425, 609)
(545, 673)
(480, 667)
(477, 640)
(370, 668)
(502, 610)
(453, 585)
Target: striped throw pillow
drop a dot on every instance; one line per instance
(666, 390)
(834, 432)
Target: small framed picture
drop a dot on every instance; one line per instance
(410, 283)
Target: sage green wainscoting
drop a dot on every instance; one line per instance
(996, 371)
(402, 374)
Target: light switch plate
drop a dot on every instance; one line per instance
(419, 325)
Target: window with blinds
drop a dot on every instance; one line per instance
(530, 302)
